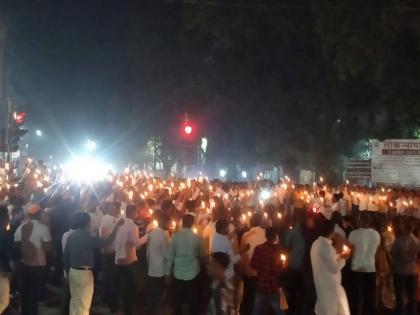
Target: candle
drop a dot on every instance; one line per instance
(195, 231)
(279, 215)
(389, 228)
(283, 258)
(346, 249)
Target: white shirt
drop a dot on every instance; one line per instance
(401, 205)
(105, 230)
(40, 233)
(127, 241)
(157, 250)
(335, 207)
(344, 208)
(366, 242)
(65, 238)
(95, 221)
(339, 231)
(373, 202)
(221, 244)
(363, 201)
(326, 267)
(254, 237)
(210, 230)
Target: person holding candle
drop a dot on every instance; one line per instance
(127, 241)
(267, 263)
(365, 241)
(250, 240)
(185, 253)
(326, 267)
(157, 250)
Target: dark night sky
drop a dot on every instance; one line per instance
(66, 61)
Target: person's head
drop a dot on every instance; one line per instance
(365, 220)
(255, 220)
(335, 198)
(82, 220)
(340, 195)
(74, 222)
(222, 227)
(34, 211)
(132, 212)
(166, 206)
(187, 221)
(111, 208)
(190, 206)
(163, 220)
(4, 217)
(322, 194)
(326, 228)
(218, 265)
(271, 235)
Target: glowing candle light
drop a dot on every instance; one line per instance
(346, 249)
(279, 215)
(195, 231)
(283, 258)
(389, 228)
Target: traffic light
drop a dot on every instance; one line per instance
(188, 129)
(15, 132)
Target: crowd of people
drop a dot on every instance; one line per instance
(208, 247)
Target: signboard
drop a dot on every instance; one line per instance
(396, 162)
(358, 169)
(306, 177)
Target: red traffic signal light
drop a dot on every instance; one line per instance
(188, 129)
(19, 117)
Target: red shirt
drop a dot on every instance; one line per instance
(265, 261)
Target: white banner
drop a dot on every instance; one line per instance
(396, 162)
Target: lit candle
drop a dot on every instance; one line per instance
(283, 258)
(195, 231)
(346, 249)
(279, 215)
(389, 228)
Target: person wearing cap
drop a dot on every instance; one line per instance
(34, 240)
(79, 262)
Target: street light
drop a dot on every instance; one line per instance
(222, 173)
(38, 133)
(244, 174)
(90, 145)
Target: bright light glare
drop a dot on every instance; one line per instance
(188, 129)
(90, 145)
(265, 194)
(244, 174)
(86, 169)
(38, 133)
(222, 173)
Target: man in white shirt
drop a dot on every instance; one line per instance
(222, 244)
(326, 267)
(157, 250)
(373, 202)
(34, 239)
(110, 272)
(363, 199)
(251, 239)
(365, 243)
(126, 242)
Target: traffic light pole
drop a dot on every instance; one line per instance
(9, 117)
